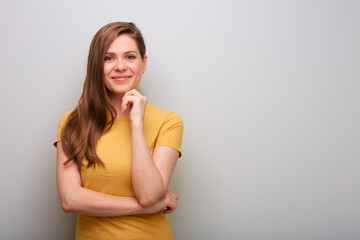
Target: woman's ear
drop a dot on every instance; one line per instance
(144, 63)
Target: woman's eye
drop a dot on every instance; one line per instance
(108, 58)
(131, 57)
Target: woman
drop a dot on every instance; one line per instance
(115, 152)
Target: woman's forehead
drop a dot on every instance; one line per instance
(122, 44)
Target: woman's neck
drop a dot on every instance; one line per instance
(116, 102)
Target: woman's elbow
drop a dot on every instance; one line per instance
(66, 204)
(147, 201)
(66, 207)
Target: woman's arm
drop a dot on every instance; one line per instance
(77, 199)
(150, 174)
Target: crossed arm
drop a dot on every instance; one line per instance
(77, 199)
(150, 175)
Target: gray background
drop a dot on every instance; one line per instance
(268, 91)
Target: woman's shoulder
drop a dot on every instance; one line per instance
(65, 116)
(153, 112)
(62, 122)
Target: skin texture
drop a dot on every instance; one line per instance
(123, 68)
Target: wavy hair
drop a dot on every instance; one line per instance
(94, 115)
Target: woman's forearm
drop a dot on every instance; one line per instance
(89, 202)
(147, 181)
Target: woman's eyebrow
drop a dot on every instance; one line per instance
(127, 52)
(131, 51)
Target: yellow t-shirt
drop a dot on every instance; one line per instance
(161, 128)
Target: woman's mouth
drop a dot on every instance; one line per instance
(120, 78)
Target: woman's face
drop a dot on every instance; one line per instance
(123, 65)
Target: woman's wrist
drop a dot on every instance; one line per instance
(136, 125)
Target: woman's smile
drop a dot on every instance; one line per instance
(123, 65)
(121, 78)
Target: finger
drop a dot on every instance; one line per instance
(132, 92)
(168, 210)
(174, 195)
(132, 99)
(126, 101)
(172, 208)
(123, 106)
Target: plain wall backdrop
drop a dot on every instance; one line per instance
(269, 92)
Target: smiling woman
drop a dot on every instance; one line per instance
(116, 152)
(123, 65)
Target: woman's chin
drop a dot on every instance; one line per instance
(120, 91)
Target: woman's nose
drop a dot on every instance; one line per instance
(120, 65)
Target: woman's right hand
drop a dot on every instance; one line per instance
(168, 203)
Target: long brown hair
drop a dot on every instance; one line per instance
(94, 115)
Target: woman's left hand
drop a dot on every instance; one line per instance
(134, 102)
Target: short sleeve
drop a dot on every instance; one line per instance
(60, 127)
(171, 132)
